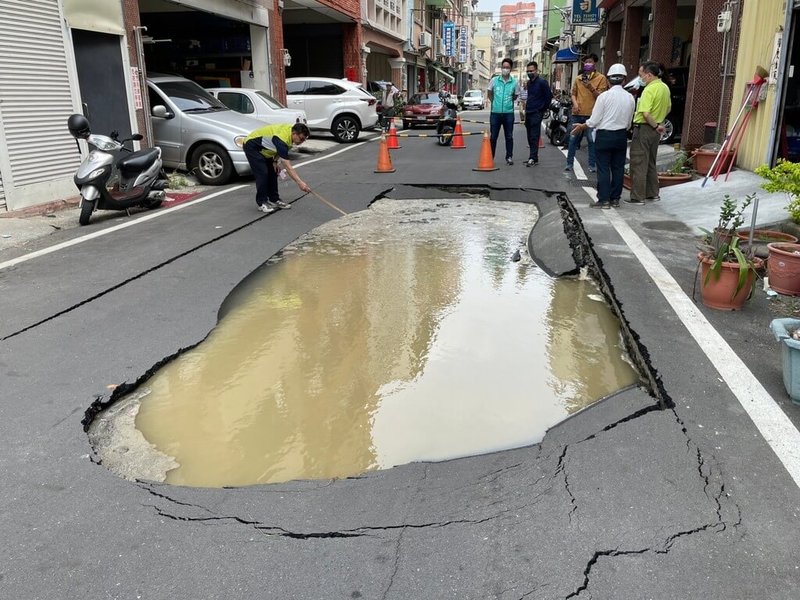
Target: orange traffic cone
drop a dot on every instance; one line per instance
(384, 160)
(485, 160)
(458, 137)
(394, 141)
(541, 140)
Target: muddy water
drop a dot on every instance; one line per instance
(402, 333)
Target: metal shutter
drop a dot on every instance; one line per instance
(35, 95)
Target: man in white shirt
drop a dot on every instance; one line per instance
(611, 118)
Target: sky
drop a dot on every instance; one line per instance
(494, 5)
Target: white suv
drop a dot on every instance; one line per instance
(337, 105)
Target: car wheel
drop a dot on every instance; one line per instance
(669, 132)
(345, 129)
(211, 164)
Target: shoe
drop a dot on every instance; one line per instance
(531, 162)
(592, 169)
(599, 204)
(282, 204)
(509, 162)
(615, 202)
(266, 208)
(568, 168)
(632, 201)
(656, 199)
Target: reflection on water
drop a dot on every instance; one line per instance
(398, 334)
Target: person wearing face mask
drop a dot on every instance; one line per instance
(585, 90)
(502, 93)
(653, 107)
(537, 102)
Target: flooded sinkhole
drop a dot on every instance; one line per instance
(402, 333)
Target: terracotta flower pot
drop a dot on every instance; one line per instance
(783, 267)
(763, 237)
(720, 293)
(668, 179)
(703, 159)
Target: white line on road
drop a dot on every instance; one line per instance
(154, 215)
(776, 428)
(576, 167)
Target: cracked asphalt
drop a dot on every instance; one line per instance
(664, 492)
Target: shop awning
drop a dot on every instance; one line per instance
(565, 55)
(447, 75)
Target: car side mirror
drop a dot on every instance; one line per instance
(161, 112)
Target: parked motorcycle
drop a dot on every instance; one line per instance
(447, 123)
(108, 181)
(560, 111)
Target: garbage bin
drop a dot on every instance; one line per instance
(782, 330)
(710, 133)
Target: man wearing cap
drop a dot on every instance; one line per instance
(610, 119)
(264, 148)
(653, 107)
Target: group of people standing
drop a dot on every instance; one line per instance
(603, 112)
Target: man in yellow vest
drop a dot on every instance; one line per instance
(267, 151)
(653, 107)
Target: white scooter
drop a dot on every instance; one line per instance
(135, 179)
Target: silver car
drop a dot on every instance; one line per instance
(258, 105)
(196, 132)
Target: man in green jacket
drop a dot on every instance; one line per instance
(503, 93)
(267, 151)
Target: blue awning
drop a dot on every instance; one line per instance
(565, 55)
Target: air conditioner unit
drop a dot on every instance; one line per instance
(425, 39)
(442, 48)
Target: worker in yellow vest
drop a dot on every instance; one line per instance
(267, 151)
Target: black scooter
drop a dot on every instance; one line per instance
(109, 182)
(447, 124)
(561, 110)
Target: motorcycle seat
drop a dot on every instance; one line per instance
(137, 161)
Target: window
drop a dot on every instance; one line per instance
(322, 88)
(295, 87)
(238, 102)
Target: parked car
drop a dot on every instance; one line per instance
(195, 131)
(424, 108)
(337, 105)
(473, 99)
(257, 104)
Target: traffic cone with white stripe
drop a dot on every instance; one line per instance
(458, 137)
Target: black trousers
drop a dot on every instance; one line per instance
(533, 125)
(610, 147)
(263, 169)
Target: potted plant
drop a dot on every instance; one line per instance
(705, 156)
(763, 237)
(677, 172)
(784, 177)
(727, 270)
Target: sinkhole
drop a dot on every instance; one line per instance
(415, 330)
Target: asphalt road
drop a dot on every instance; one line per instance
(624, 500)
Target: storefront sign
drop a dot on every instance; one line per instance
(585, 12)
(462, 45)
(449, 38)
(774, 65)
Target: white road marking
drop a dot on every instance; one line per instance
(776, 428)
(576, 167)
(154, 215)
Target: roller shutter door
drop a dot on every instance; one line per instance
(35, 95)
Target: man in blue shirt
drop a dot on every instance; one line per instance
(503, 92)
(539, 96)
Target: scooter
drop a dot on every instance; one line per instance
(447, 124)
(560, 109)
(109, 182)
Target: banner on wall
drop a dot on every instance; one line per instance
(449, 38)
(585, 12)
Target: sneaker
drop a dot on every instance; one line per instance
(615, 202)
(272, 206)
(568, 168)
(656, 199)
(509, 162)
(282, 204)
(632, 201)
(599, 204)
(592, 169)
(266, 208)
(531, 162)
